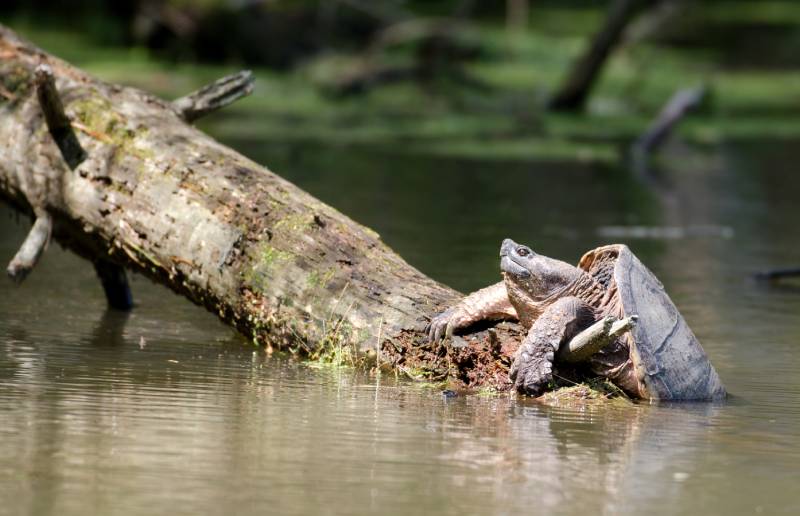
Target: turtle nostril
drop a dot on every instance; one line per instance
(523, 251)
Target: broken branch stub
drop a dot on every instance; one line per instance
(32, 248)
(57, 121)
(595, 337)
(214, 96)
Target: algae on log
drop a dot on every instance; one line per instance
(157, 196)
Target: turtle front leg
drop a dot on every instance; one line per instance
(532, 370)
(488, 303)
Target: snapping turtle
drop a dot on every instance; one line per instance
(610, 313)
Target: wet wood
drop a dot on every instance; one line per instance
(157, 196)
(115, 284)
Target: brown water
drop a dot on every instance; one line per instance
(167, 411)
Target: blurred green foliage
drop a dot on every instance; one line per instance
(755, 82)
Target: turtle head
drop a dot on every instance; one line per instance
(537, 276)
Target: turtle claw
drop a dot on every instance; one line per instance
(443, 325)
(532, 371)
(438, 326)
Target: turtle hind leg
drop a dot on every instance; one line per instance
(532, 371)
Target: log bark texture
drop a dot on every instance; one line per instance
(159, 197)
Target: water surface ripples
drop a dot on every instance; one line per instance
(165, 410)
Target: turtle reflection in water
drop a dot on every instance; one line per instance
(609, 313)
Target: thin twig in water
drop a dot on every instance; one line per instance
(338, 324)
(565, 379)
(378, 347)
(338, 300)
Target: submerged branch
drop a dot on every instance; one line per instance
(115, 284)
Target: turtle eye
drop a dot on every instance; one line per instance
(523, 251)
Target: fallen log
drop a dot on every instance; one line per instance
(138, 187)
(154, 195)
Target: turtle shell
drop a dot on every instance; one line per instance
(669, 361)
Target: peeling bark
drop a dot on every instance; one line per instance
(159, 197)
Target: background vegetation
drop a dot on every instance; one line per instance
(484, 91)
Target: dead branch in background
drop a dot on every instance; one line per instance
(575, 89)
(517, 12)
(682, 102)
(439, 52)
(777, 274)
